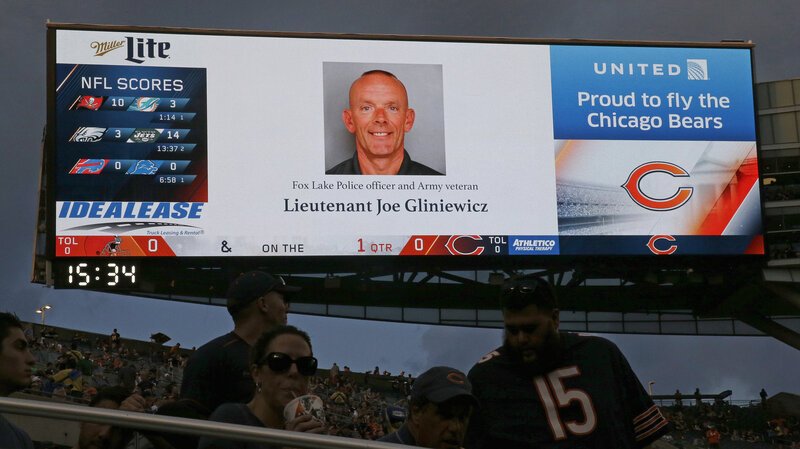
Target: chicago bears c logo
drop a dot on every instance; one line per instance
(633, 187)
(670, 249)
(477, 245)
(456, 378)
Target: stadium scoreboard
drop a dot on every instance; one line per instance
(175, 144)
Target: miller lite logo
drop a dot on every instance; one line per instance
(101, 48)
(140, 48)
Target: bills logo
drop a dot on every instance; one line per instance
(144, 104)
(88, 166)
(468, 245)
(144, 135)
(634, 188)
(88, 134)
(87, 102)
(655, 245)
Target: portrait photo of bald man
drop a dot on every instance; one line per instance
(383, 119)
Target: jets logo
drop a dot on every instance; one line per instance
(144, 135)
(634, 188)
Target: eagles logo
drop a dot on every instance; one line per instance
(88, 134)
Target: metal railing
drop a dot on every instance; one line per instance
(185, 426)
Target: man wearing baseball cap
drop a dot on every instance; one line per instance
(439, 410)
(218, 371)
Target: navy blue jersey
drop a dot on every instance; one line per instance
(219, 372)
(591, 399)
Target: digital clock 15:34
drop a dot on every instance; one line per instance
(110, 274)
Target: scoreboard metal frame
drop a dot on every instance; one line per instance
(121, 272)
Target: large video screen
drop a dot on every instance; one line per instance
(204, 144)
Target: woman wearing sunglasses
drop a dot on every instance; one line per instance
(281, 362)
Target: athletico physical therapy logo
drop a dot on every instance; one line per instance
(519, 245)
(634, 186)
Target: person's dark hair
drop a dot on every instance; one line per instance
(248, 287)
(416, 403)
(182, 408)
(528, 291)
(258, 350)
(115, 394)
(7, 322)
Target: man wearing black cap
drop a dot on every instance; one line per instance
(549, 389)
(439, 410)
(218, 371)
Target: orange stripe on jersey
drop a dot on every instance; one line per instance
(642, 436)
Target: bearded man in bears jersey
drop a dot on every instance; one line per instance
(549, 389)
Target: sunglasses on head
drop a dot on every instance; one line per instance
(280, 363)
(522, 286)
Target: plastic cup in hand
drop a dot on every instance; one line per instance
(308, 404)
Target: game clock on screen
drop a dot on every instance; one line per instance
(97, 274)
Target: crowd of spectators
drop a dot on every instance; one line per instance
(588, 209)
(356, 409)
(783, 251)
(75, 369)
(781, 192)
(750, 426)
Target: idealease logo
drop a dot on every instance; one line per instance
(140, 48)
